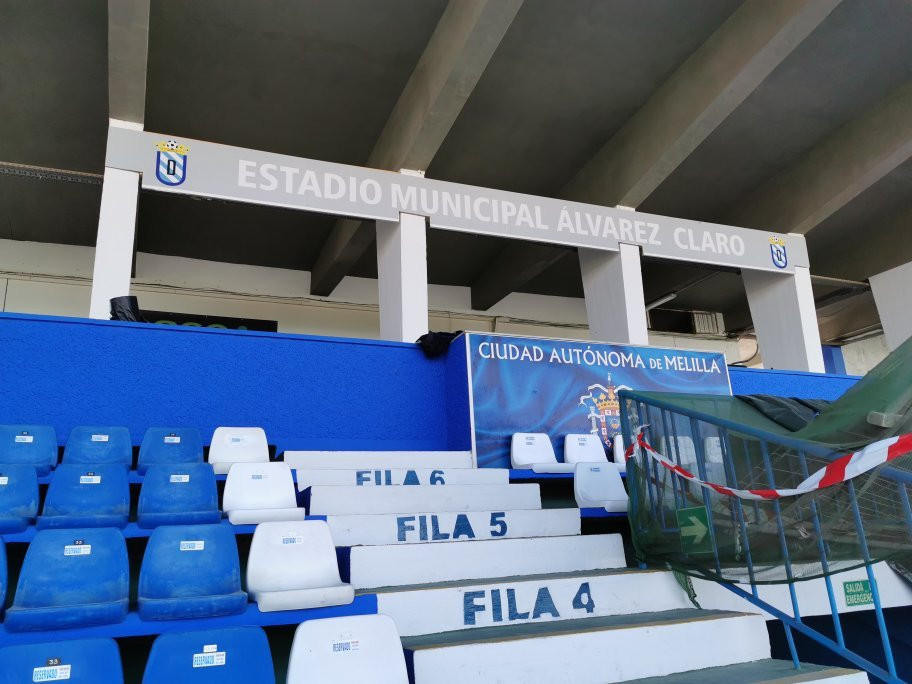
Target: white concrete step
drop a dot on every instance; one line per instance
(590, 650)
(397, 566)
(368, 460)
(309, 477)
(327, 500)
(448, 607)
(762, 672)
(416, 528)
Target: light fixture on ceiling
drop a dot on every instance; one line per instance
(661, 300)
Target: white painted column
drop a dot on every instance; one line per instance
(613, 286)
(402, 278)
(785, 319)
(891, 295)
(114, 244)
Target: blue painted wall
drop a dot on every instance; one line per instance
(833, 359)
(307, 392)
(789, 383)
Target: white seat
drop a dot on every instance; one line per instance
(686, 457)
(260, 492)
(715, 460)
(599, 485)
(356, 648)
(680, 450)
(534, 451)
(586, 448)
(237, 445)
(292, 565)
(712, 447)
(620, 457)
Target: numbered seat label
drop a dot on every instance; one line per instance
(51, 673)
(77, 550)
(210, 659)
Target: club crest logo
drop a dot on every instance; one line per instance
(171, 162)
(777, 250)
(604, 410)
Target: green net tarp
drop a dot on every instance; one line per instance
(725, 441)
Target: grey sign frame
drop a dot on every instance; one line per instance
(234, 173)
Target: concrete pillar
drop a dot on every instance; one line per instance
(402, 278)
(613, 286)
(891, 295)
(114, 244)
(785, 319)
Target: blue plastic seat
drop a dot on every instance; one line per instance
(3, 577)
(217, 656)
(71, 578)
(99, 445)
(190, 571)
(80, 661)
(86, 496)
(18, 497)
(35, 445)
(169, 446)
(182, 494)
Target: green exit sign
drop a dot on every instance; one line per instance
(693, 526)
(858, 593)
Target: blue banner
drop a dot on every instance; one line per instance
(560, 387)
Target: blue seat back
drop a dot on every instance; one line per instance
(57, 573)
(77, 661)
(4, 575)
(89, 444)
(18, 497)
(82, 492)
(220, 656)
(169, 445)
(177, 494)
(35, 445)
(184, 561)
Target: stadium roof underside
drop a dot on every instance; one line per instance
(782, 115)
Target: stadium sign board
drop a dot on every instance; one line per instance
(195, 167)
(561, 387)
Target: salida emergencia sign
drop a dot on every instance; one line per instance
(194, 167)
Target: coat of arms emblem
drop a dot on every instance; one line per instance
(777, 250)
(171, 162)
(604, 410)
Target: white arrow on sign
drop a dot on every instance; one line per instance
(697, 530)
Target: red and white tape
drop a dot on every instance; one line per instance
(842, 469)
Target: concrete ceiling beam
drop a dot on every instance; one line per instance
(128, 49)
(695, 100)
(456, 56)
(689, 106)
(835, 171)
(515, 266)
